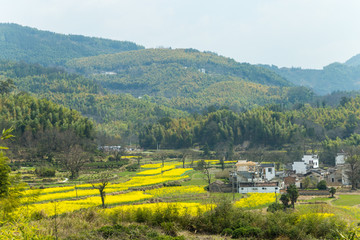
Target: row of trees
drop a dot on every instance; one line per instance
(45, 131)
(265, 126)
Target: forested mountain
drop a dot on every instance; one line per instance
(185, 78)
(151, 68)
(133, 86)
(117, 113)
(27, 44)
(334, 77)
(270, 126)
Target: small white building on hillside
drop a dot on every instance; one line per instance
(259, 188)
(307, 162)
(311, 160)
(267, 171)
(340, 159)
(299, 167)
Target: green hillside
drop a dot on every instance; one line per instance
(270, 126)
(27, 44)
(235, 94)
(152, 67)
(334, 77)
(42, 128)
(114, 113)
(184, 78)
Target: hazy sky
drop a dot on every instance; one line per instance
(298, 33)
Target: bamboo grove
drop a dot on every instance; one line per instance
(269, 126)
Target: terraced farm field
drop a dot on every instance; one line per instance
(167, 192)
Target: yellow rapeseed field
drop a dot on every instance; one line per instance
(177, 172)
(255, 200)
(158, 165)
(179, 190)
(69, 206)
(156, 170)
(182, 208)
(69, 198)
(314, 216)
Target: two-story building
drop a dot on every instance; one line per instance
(254, 177)
(307, 162)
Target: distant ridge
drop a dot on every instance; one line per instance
(354, 61)
(333, 77)
(19, 43)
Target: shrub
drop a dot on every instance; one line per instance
(45, 172)
(172, 184)
(200, 165)
(142, 215)
(38, 215)
(110, 231)
(132, 168)
(321, 185)
(321, 225)
(227, 232)
(246, 232)
(275, 207)
(169, 228)
(279, 223)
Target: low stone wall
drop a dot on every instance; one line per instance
(224, 188)
(314, 192)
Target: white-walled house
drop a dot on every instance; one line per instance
(255, 177)
(299, 167)
(311, 160)
(259, 188)
(267, 171)
(340, 159)
(307, 162)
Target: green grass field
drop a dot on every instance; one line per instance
(347, 200)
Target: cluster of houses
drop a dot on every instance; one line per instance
(251, 176)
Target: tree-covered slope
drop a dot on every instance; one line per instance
(31, 45)
(334, 77)
(235, 94)
(164, 70)
(115, 112)
(270, 126)
(184, 78)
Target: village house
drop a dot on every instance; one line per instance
(340, 159)
(336, 176)
(307, 162)
(260, 187)
(254, 177)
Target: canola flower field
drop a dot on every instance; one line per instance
(255, 200)
(72, 198)
(123, 196)
(182, 208)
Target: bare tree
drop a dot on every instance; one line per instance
(101, 187)
(74, 160)
(353, 166)
(185, 153)
(206, 171)
(160, 156)
(138, 158)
